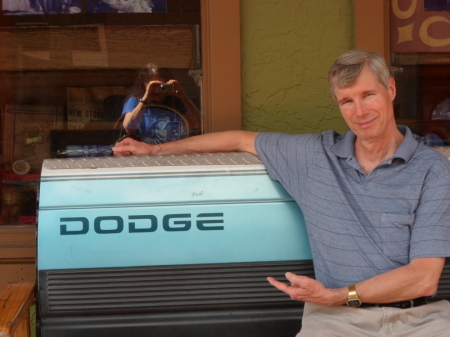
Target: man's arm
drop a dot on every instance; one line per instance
(227, 141)
(419, 278)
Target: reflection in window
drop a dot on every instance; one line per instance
(419, 44)
(437, 5)
(67, 69)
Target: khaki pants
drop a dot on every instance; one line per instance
(431, 320)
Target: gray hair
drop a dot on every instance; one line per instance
(346, 69)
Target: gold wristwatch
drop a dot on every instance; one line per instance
(352, 298)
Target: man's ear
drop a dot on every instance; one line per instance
(392, 88)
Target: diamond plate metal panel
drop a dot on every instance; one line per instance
(233, 158)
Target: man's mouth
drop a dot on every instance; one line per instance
(365, 124)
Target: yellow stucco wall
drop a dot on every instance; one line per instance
(287, 47)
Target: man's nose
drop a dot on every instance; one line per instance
(361, 108)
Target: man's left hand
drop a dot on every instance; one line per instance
(309, 290)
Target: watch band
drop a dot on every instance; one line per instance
(142, 101)
(352, 298)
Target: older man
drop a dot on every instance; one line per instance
(376, 205)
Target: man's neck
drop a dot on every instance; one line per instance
(370, 153)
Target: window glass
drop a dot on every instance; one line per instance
(420, 62)
(70, 69)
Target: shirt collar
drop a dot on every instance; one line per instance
(345, 147)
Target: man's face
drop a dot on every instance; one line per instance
(367, 106)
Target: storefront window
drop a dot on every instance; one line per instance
(420, 62)
(67, 68)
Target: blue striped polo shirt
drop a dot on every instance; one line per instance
(362, 225)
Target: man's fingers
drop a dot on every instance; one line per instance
(298, 281)
(290, 276)
(293, 292)
(128, 141)
(122, 153)
(279, 285)
(122, 149)
(302, 288)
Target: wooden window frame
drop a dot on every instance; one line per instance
(221, 65)
(372, 26)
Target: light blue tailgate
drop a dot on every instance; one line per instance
(165, 210)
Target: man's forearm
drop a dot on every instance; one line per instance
(228, 141)
(417, 279)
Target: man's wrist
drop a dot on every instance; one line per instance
(155, 149)
(353, 299)
(337, 296)
(342, 296)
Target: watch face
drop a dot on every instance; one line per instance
(354, 303)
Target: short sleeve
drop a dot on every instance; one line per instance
(285, 157)
(430, 235)
(130, 104)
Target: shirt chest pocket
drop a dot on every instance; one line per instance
(396, 235)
